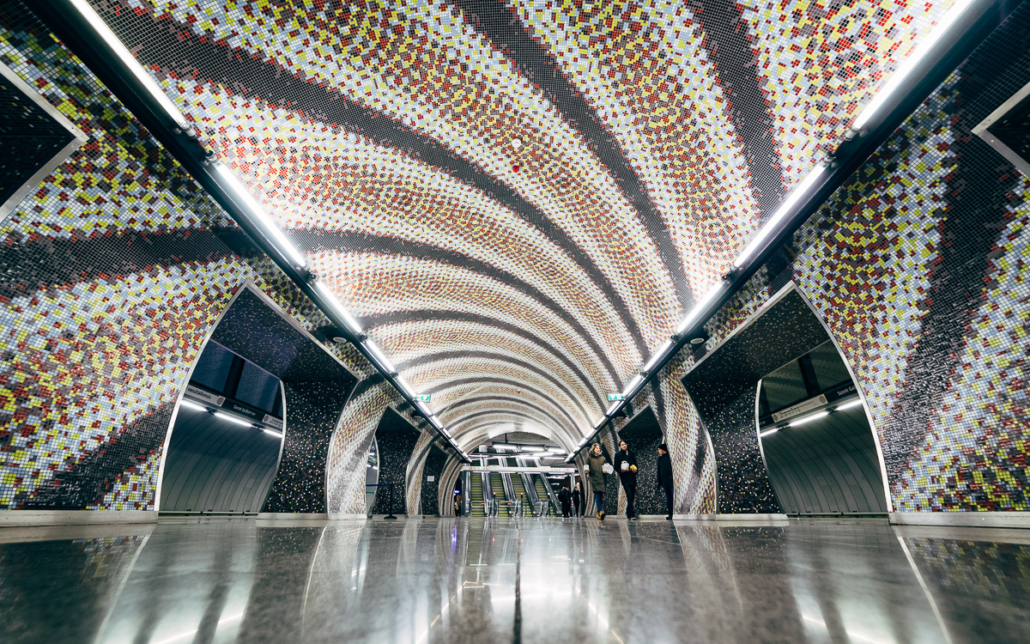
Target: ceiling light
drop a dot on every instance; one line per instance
(637, 379)
(516, 143)
(699, 307)
(192, 405)
(853, 403)
(130, 61)
(612, 409)
(273, 433)
(808, 419)
(241, 195)
(233, 419)
(898, 78)
(404, 387)
(658, 355)
(379, 356)
(328, 296)
(769, 431)
(781, 212)
(532, 448)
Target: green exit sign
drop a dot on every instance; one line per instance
(615, 397)
(423, 397)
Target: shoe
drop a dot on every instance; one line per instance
(602, 516)
(634, 518)
(597, 515)
(668, 518)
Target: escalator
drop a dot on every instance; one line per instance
(520, 494)
(476, 496)
(541, 492)
(497, 488)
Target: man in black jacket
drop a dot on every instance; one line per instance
(626, 466)
(665, 476)
(577, 500)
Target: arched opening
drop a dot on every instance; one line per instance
(395, 440)
(252, 425)
(801, 442)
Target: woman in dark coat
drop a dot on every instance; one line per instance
(596, 462)
(626, 467)
(665, 476)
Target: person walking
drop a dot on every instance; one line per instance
(577, 500)
(665, 476)
(595, 465)
(566, 501)
(626, 466)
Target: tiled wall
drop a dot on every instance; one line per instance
(122, 266)
(917, 266)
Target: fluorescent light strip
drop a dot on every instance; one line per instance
(808, 419)
(611, 410)
(781, 212)
(532, 448)
(405, 387)
(192, 405)
(233, 419)
(898, 78)
(273, 433)
(637, 379)
(271, 230)
(658, 355)
(130, 61)
(769, 431)
(853, 403)
(699, 308)
(329, 296)
(379, 356)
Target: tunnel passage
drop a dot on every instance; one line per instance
(724, 387)
(261, 388)
(395, 438)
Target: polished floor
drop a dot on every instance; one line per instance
(474, 580)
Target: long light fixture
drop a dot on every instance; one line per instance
(141, 74)
(808, 419)
(233, 419)
(328, 296)
(271, 230)
(658, 355)
(788, 204)
(192, 405)
(898, 78)
(272, 433)
(380, 357)
(405, 386)
(611, 410)
(532, 448)
(853, 403)
(769, 431)
(637, 379)
(699, 307)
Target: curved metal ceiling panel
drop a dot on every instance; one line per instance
(520, 200)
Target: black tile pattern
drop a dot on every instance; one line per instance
(29, 138)
(312, 409)
(396, 438)
(431, 489)
(644, 434)
(744, 485)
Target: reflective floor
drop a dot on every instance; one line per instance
(444, 580)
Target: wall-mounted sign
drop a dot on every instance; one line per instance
(799, 408)
(272, 421)
(615, 397)
(197, 393)
(423, 397)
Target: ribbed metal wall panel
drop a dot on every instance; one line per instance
(217, 466)
(827, 465)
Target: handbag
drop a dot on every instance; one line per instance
(607, 468)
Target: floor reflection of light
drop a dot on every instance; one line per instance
(851, 634)
(225, 620)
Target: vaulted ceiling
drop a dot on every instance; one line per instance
(520, 200)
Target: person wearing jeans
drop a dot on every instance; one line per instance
(665, 476)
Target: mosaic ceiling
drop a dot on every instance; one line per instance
(520, 200)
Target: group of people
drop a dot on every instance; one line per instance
(626, 467)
